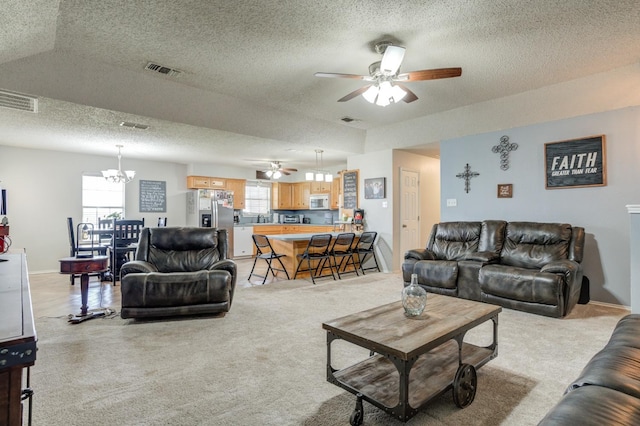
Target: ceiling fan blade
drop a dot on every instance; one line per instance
(410, 96)
(355, 93)
(338, 75)
(392, 59)
(433, 74)
(289, 169)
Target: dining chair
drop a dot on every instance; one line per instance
(265, 251)
(317, 251)
(364, 249)
(74, 248)
(342, 249)
(126, 234)
(162, 222)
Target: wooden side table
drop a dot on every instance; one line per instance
(84, 266)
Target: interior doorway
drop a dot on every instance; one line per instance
(409, 211)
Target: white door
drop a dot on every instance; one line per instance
(409, 211)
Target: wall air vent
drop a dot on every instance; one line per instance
(134, 125)
(171, 72)
(18, 101)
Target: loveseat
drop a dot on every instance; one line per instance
(529, 266)
(607, 392)
(178, 271)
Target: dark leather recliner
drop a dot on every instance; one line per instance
(178, 271)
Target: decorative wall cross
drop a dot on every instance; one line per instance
(504, 147)
(467, 175)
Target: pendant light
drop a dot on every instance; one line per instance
(319, 175)
(118, 176)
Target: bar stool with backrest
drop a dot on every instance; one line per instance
(265, 251)
(365, 248)
(317, 251)
(342, 249)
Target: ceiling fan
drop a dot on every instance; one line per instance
(276, 170)
(386, 82)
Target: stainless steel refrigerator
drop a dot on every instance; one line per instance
(212, 208)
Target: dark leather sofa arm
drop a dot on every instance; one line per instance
(568, 268)
(483, 256)
(137, 266)
(420, 254)
(231, 267)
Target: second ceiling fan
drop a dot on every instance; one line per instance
(386, 82)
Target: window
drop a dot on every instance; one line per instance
(257, 198)
(100, 198)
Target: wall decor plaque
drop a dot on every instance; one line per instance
(153, 196)
(575, 163)
(505, 190)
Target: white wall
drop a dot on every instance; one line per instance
(386, 220)
(600, 210)
(45, 187)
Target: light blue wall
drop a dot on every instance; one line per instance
(600, 210)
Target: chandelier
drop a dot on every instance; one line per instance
(319, 175)
(118, 176)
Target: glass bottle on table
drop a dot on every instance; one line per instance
(414, 298)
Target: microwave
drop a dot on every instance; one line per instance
(319, 202)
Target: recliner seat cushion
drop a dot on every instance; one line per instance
(437, 273)
(521, 284)
(175, 289)
(533, 245)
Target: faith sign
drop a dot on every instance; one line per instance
(576, 163)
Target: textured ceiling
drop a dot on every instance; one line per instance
(247, 92)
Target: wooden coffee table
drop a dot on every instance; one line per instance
(412, 360)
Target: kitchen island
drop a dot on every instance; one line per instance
(291, 245)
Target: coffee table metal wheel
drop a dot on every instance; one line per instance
(465, 385)
(358, 414)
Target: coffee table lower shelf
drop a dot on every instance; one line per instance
(378, 380)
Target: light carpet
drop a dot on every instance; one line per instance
(264, 363)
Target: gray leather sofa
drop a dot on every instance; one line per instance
(529, 266)
(178, 271)
(607, 392)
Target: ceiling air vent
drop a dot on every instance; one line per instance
(134, 125)
(171, 72)
(348, 119)
(18, 101)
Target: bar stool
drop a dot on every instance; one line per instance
(342, 249)
(318, 251)
(365, 247)
(265, 251)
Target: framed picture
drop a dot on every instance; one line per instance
(505, 190)
(576, 163)
(374, 188)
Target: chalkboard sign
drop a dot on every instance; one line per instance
(153, 196)
(350, 189)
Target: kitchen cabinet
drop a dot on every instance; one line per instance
(267, 229)
(321, 187)
(205, 182)
(282, 196)
(301, 192)
(238, 188)
(334, 199)
(242, 241)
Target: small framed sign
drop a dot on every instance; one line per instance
(374, 188)
(505, 190)
(576, 163)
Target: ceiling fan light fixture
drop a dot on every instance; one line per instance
(277, 174)
(269, 173)
(371, 93)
